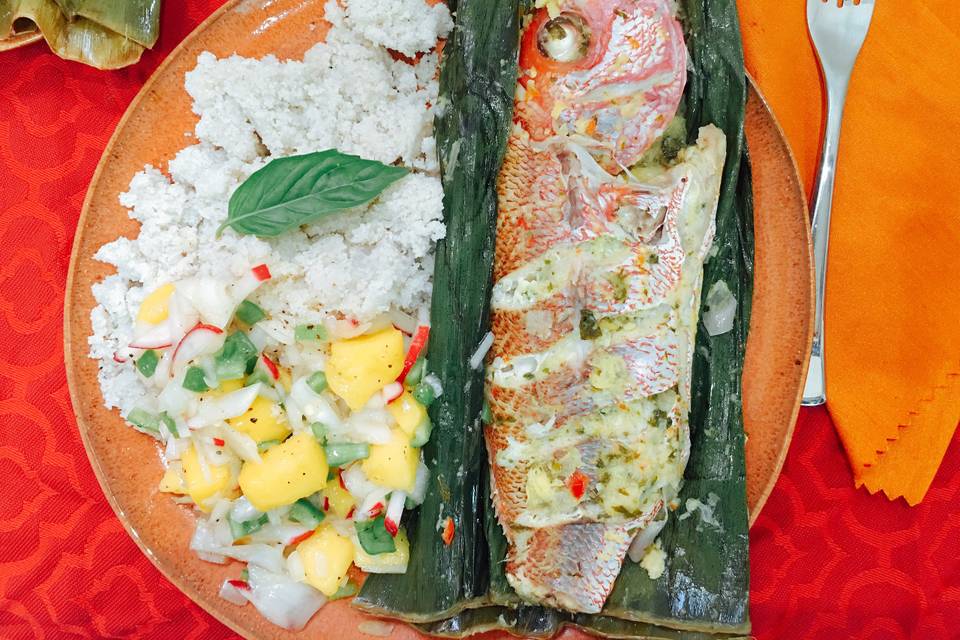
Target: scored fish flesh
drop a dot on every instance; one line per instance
(597, 293)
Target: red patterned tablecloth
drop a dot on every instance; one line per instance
(827, 561)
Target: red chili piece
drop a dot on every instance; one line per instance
(261, 272)
(577, 482)
(448, 531)
(416, 346)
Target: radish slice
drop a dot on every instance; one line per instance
(249, 283)
(221, 408)
(394, 512)
(416, 346)
(199, 341)
(154, 337)
(231, 592)
(269, 366)
(345, 329)
(367, 508)
(403, 321)
(392, 391)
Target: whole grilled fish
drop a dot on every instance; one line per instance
(596, 297)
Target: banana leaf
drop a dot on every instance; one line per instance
(478, 76)
(138, 20)
(704, 591)
(101, 33)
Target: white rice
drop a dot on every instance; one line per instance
(347, 93)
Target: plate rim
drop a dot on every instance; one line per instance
(69, 356)
(798, 400)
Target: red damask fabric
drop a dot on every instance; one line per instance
(828, 561)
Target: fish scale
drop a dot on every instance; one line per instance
(574, 237)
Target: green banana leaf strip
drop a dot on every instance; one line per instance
(80, 39)
(477, 81)
(138, 20)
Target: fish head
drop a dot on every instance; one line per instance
(606, 74)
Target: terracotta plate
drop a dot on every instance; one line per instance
(153, 130)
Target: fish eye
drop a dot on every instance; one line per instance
(564, 38)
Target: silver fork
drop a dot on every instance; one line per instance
(838, 29)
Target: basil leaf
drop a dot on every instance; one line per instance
(292, 191)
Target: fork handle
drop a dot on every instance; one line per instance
(814, 391)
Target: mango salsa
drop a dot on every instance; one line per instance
(155, 307)
(359, 367)
(407, 412)
(263, 421)
(326, 557)
(394, 562)
(200, 487)
(172, 480)
(289, 471)
(393, 465)
(339, 499)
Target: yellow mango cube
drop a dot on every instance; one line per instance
(172, 480)
(201, 487)
(339, 500)
(326, 557)
(155, 307)
(359, 367)
(228, 386)
(393, 465)
(263, 421)
(289, 471)
(407, 412)
(395, 562)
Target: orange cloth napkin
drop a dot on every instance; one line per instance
(893, 286)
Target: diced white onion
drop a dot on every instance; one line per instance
(721, 309)
(267, 556)
(259, 337)
(477, 358)
(282, 600)
(221, 408)
(158, 336)
(210, 298)
(434, 382)
(295, 567)
(281, 533)
(345, 329)
(645, 537)
(176, 400)
(242, 510)
(356, 482)
(242, 445)
(420, 484)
